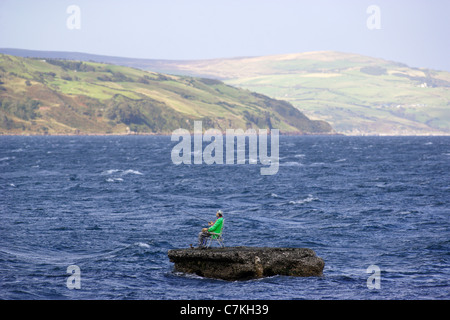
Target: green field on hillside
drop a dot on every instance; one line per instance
(354, 93)
(55, 96)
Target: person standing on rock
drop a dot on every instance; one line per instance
(215, 227)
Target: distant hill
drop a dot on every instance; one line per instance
(355, 94)
(58, 96)
(145, 64)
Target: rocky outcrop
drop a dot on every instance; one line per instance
(243, 263)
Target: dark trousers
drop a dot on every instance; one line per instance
(203, 238)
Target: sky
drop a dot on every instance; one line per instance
(415, 32)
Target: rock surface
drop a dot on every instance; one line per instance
(243, 263)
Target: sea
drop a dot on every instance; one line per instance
(93, 218)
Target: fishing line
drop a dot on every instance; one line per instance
(196, 217)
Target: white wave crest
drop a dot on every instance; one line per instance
(306, 200)
(131, 172)
(120, 172)
(114, 179)
(7, 158)
(109, 172)
(291, 164)
(143, 245)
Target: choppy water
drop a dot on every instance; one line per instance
(114, 206)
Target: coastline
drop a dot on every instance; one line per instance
(158, 134)
(169, 134)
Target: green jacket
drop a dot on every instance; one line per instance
(216, 227)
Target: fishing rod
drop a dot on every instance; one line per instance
(199, 218)
(196, 217)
